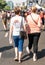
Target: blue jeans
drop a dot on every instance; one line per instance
(18, 42)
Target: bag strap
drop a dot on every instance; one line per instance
(34, 20)
(21, 27)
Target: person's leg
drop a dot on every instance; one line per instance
(15, 38)
(35, 45)
(20, 56)
(30, 39)
(6, 34)
(3, 21)
(43, 20)
(20, 48)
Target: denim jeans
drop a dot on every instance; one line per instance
(18, 42)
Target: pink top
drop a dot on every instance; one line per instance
(32, 26)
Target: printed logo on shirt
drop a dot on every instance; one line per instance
(17, 24)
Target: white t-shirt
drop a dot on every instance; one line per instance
(16, 23)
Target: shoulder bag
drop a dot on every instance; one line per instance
(22, 32)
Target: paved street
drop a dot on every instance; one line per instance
(8, 51)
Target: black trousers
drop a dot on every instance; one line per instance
(33, 41)
(43, 21)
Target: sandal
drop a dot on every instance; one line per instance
(15, 59)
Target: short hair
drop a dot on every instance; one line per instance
(17, 10)
(34, 9)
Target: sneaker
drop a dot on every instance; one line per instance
(27, 49)
(34, 57)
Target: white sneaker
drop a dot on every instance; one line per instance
(27, 49)
(0, 54)
(34, 57)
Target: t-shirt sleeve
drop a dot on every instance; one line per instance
(11, 22)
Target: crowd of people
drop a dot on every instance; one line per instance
(32, 21)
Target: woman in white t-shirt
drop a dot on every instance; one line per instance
(15, 25)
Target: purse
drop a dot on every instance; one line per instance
(23, 34)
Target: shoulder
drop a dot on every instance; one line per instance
(12, 17)
(28, 16)
(38, 16)
(20, 16)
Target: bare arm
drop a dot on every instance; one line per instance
(10, 31)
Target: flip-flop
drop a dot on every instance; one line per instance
(15, 59)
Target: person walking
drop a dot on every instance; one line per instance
(42, 17)
(4, 19)
(15, 25)
(34, 24)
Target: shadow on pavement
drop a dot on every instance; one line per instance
(4, 30)
(27, 56)
(41, 54)
(5, 48)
